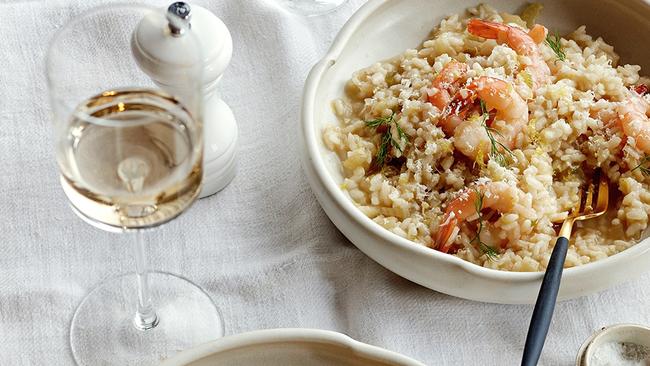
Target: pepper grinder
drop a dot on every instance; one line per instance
(158, 50)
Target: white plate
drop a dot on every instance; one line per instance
(385, 28)
(289, 347)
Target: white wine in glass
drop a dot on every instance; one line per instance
(130, 158)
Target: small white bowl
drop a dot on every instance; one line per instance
(384, 28)
(631, 333)
(288, 347)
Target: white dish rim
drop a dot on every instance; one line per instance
(333, 190)
(267, 336)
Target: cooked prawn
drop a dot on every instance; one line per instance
(470, 136)
(633, 117)
(447, 82)
(522, 42)
(498, 196)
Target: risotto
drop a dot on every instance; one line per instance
(478, 142)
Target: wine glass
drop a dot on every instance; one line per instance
(129, 154)
(311, 7)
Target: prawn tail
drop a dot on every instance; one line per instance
(443, 241)
(538, 33)
(486, 29)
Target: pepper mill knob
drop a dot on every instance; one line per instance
(156, 53)
(179, 15)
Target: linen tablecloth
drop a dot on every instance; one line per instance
(262, 248)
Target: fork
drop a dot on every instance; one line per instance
(545, 304)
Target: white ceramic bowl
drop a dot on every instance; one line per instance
(385, 28)
(288, 347)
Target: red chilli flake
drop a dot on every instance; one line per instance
(641, 89)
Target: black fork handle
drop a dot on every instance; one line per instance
(543, 313)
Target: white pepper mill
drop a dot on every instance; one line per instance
(158, 50)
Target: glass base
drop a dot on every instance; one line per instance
(103, 331)
(311, 7)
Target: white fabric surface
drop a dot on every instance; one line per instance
(262, 248)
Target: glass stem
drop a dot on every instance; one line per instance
(145, 316)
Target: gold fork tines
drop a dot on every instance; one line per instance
(584, 208)
(588, 201)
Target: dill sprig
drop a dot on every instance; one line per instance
(495, 154)
(387, 139)
(382, 152)
(484, 111)
(644, 169)
(402, 135)
(486, 249)
(380, 121)
(554, 42)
